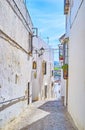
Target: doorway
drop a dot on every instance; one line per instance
(45, 91)
(28, 92)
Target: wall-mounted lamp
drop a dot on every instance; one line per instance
(41, 51)
(35, 32)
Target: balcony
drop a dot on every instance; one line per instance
(66, 6)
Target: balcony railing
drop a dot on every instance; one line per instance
(66, 6)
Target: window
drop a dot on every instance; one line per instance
(44, 67)
(66, 6)
(34, 65)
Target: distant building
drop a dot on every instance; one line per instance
(57, 70)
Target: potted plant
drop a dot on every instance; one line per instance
(65, 71)
(61, 57)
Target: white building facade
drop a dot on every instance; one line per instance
(20, 83)
(15, 59)
(63, 58)
(75, 30)
(44, 70)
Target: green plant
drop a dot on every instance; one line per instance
(65, 67)
(65, 71)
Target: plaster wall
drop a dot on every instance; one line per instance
(76, 87)
(74, 7)
(13, 24)
(62, 84)
(15, 63)
(42, 80)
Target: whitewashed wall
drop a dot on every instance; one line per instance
(36, 82)
(48, 78)
(39, 83)
(15, 64)
(74, 7)
(62, 84)
(76, 87)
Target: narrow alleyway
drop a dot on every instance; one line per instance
(51, 115)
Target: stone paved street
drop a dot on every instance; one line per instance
(57, 119)
(43, 115)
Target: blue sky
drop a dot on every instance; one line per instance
(48, 17)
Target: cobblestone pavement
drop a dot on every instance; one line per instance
(43, 115)
(56, 119)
